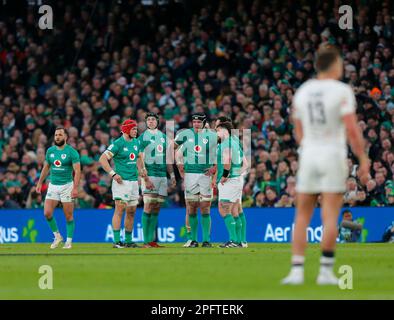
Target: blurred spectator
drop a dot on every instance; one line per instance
(349, 230)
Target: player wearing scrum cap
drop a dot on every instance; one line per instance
(195, 155)
(60, 162)
(154, 146)
(128, 159)
(324, 117)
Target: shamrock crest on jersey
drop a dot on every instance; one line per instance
(154, 144)
(61, 164)
(199, 149)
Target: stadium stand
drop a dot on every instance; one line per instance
(105, 61)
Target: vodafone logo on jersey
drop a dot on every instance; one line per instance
(197, 148)
(132, 156)
(57, 163)
(160, 148)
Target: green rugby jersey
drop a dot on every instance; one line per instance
(199, 149)
(236, 157)
(154, 146)
(61, 164)
(125, 155)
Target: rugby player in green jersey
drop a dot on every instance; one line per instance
(238, 214)
(230, 160)
(198, 153)
(154, 146)
(128, 159)
(60, 162)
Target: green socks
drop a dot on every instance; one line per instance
(238, 228)
(70, 228)
(146, 226)
(128, 237)
(193, 220)
(243, 231)
(154, 217)
(230, 225)
(188, 233)
(53, 225)
(206, 227)
(116, 236)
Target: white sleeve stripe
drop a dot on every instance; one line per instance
(109, 154)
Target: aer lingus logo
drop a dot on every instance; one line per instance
(29, 232)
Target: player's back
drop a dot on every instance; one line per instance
(320, 106)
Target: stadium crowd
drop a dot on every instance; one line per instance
(107, 61)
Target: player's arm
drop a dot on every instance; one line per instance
(351, 225)
(356, 142)
(77, 179)
(353, 132)
(214, 178)
(179, 159)
(104, 160)
(296, 116)
(227, 165)
(298, 131)
(245, 165)
(43, 175)
(143, 172)
(170, 170)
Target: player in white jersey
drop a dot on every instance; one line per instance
(324, 116)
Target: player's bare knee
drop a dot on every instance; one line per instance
(148, 207)
(120, 206)
(224, 208)
(156, 207)
(48, 214)
(192, 207)
(130, 211)
(205, 207)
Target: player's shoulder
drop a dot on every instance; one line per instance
(51, 149)
(71, 148)
(118, 141)
(336, 84)
(306, 86)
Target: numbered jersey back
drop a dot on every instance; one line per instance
(321, 105)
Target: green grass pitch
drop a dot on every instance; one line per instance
(97, 271)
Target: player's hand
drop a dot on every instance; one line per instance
(181, 170)
(143, 173)
(118, 179)
(38, 188)
(149, 184)
(214, 185)
(173, 182)
(364, 168)
(74, 193)
(223, 180)
(210, 171)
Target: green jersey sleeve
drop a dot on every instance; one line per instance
(47, 156)
(75, 156)
(144, 142)
(181, 137)
(114, 148)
